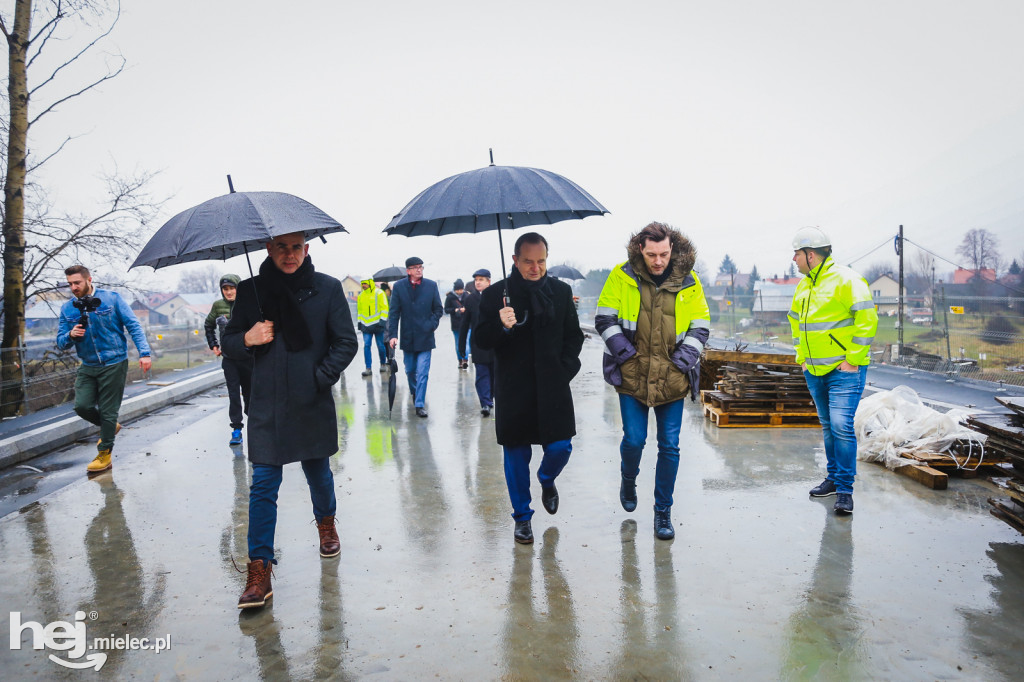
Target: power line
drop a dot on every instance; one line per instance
(977, 273)
(887, 240)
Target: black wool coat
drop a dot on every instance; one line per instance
(419, 310)
(291, 407)
(534, 364)
(480, 355)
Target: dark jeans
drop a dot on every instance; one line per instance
(266, 481)
(98, 395)
(836, 396)
(462, 356)
(417, 371)
(669, 418)
(381, 350)
(517, 473)
(484, 374)
(238, 376)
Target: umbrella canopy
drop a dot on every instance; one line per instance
(565, 272)
(392, 274)
(494, 197)
(231, 225)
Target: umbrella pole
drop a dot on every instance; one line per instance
(501, 250)
(255, 292)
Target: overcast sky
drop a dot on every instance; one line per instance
(737, 122)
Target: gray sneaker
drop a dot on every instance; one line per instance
(844, 503)
(824, 489)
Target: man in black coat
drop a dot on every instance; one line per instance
(294, 325)
(455, 309)
(483, 360)
(536, 339)
(415, 302)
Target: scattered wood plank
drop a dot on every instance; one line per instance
(932, 478)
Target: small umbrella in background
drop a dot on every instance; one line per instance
(392, 379)
(392, 274)
(231, 225)
(494, 198)
(565, 272)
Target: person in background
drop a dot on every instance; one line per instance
(456, 310)
(237, 375)
(416, 304)
(483, 360)
(372, 314)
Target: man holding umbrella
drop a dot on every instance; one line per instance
(294, 324)
(536, 339)
(416, 303)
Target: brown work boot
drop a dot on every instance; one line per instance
(101, 463)
(257, 585)
(330, 544)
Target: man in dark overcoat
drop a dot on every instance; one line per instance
(299, 344)
(416, 304)
(483, 359)
(536, 339)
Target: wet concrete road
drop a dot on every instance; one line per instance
(761, 583)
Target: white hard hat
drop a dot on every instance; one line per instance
(810, 238)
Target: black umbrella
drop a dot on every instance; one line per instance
(392, 274)
(565, 272)
(231, 225)
(494, 198)
(392, 379)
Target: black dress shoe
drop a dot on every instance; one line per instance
(485, 411)
(627, 494)
(421, 412)
(549, 498)
(524, 533)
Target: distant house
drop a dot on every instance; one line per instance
(961, 276)
(43, 316)
(772, 302)
(885, 292)
(784, 280)
(739, 280)
(350, 285)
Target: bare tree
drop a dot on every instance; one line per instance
(981, 249)
(876, 270)
(201, 280)
(922, 273)
(39, 240)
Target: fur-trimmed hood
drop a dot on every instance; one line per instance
(684, 255)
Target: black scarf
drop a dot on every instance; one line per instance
(281, 305)
(540, 293)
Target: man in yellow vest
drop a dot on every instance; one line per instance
(833, 320)
(654, 320)
(372, 314)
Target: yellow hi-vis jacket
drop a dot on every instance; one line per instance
(372, 305)
(833, 318)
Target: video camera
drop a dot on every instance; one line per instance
(85, 305)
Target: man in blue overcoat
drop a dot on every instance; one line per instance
(416, 305)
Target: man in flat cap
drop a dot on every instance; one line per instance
(483, 360)
(416, 304)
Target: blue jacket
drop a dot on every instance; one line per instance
(419, 309)
(104, 342)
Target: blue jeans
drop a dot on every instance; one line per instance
(381, 350)
(462, 356)
(417, 370)
(484, 376)
(517, 473)
(266, 481)
(669, 418)
(836, 396)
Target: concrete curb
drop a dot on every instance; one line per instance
(23, 446)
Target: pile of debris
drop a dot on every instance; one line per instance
(1005, 436)
(756, 390)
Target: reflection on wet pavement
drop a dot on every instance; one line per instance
(760, 583)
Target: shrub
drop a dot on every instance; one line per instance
(999, 331)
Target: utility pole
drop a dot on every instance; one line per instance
(945, 323)
(899, 314)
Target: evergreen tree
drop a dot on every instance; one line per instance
(728, 266)
(1014, 268)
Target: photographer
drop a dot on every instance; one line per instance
(93, 322)
(237, 375)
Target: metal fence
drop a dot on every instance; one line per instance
(48, 373)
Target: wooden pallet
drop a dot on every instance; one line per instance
(734, 404)
(723, 419)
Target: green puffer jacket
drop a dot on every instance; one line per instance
(220, 308)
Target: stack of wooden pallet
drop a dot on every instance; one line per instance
(1005, 434)
(758, 391)
(963, 459)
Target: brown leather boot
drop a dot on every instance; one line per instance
(330, 544)
(257, 585)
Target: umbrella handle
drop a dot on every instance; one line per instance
(526, 315)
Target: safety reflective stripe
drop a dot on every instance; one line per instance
(794, 315)
(607, 311)
(863, 305)
(863, 340)
(825, 326)
(825, 361)
(700, 324)
(695, 342)
(611, 331)
(628, 324)
(796, 340)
